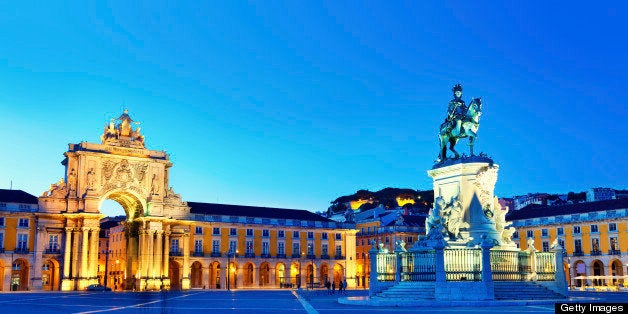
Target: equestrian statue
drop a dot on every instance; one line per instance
(462, 121)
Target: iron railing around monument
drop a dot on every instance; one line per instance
(545, 266)
(463, 264)
(386, 266)
(508, 265)
(418, 266)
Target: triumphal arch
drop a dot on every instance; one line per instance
(122, 169)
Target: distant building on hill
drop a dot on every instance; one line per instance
(600, 194)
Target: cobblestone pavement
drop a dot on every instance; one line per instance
(242, 301)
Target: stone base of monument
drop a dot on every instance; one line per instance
(467, 257)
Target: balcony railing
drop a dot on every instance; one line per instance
(597, 252)
(215, 254)
(614, 252)
(311, 256)
(176, 253)
(52, 251)
(198, 254)
(265, 255)
(249, 255)
(339, 257)
(324, 256)
(281, 255)
(578, 253)
(296, 255)
(21, 250)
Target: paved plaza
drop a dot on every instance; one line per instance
(203, 301)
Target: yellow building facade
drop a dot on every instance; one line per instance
(594, 235)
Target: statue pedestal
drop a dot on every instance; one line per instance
(471, 181)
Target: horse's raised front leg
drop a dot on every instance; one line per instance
(452, 143)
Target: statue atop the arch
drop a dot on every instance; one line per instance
(120, 132)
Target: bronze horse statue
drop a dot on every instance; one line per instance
(469, 128)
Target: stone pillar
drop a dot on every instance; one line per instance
(94, 254)
(84, 251)
(398, 255)
(166, 257)
(75, 256)
(559, 279)
(373, 285)
(66, 253)
(150, 240)
(185, 274)
(439, 260)
(157, 257)
(66, 283)
(487, 272)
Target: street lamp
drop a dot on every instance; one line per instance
(229, 254)
(310, 251)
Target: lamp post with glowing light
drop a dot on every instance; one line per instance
(229, 254)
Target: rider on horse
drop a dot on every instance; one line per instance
(456, 111)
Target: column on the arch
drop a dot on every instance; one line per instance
(93, 252)
(185, 284)
(150, 235)
(75, 251)
(84, 251)
(158, 254)
(67, 252)
(141, 255)
(166, 254)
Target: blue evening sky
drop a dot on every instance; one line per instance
(294, 104)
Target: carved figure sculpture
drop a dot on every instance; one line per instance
(452, 214)
(154, 185)
(502, 226)
(461, 122)
(90, 179)
(434, 222)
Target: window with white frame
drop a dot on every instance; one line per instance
(281, 234)
(595, 245)
(577, 245)
(295, 234)
(560, 231)
(198, 246)
(216, 231)
(545, 246)
(614, 245)
(576, 229)
(338, 250)
(174, 246)
(612, 227)
(594, 229)
(530, 234)
(265, 233)
(296, 250)
(310, 249)
(249, 247)
(23, 223)
(561, 242)
(233, 232)
(233, 246)
(544, 233)
(281, 248)
(338, 236)
(1, 221)
(53, 242)
(310, 235)
(249, 232)
(324, 249)
(1, 240)
(216, 246)
(324, 236)
(265, 248)
(198, 230)
(22, 241)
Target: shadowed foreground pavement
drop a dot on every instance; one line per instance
(244, 301)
